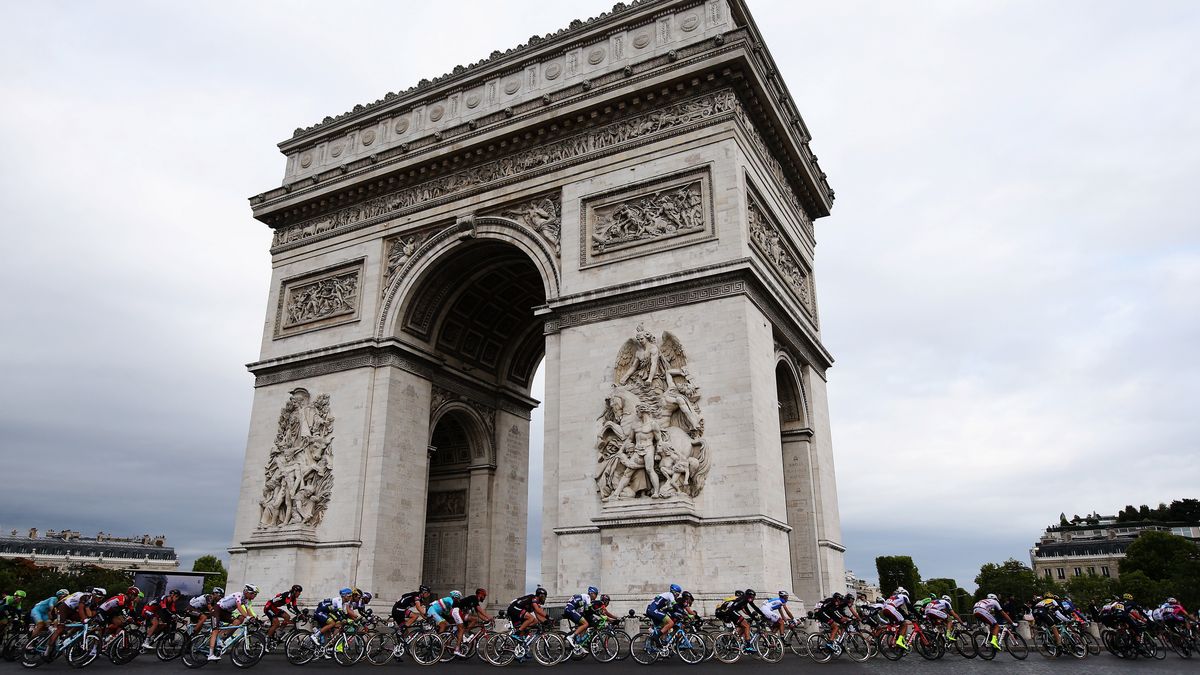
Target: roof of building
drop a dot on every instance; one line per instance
(85, 546)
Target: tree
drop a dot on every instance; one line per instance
(211, 563)
(1011, 577)
(1090, 590)
(897, 570)
(1158, 555)
(959, 598)
(1127, 514)
(1184, 510)
(1143, 512)
(40, 583)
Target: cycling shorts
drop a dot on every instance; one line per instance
(516, 616)
(892, 614)
(435, 613)
(572, 615)
(771, 614)
(936, 613)
(727, 616)
(1043, 619)
(320, 618)
(985, 616)
(657, 616)
(457, 615)
(38, 615)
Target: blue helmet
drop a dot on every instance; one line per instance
(592, 590)
(675, 588)
(345, 591)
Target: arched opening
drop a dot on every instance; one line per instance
(473, 305)
(795, 440)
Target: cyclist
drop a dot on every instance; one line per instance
(659, 608)
(598, 609)
(75, 608)
(199, 607)
(226, 606)
(1047, 612)
(160, 612)
(985, 610)
(281, 609)
(527, 610)
(411, 606)
(921, 604)
(44, 610)
(896, 609)
(830, 612)
(573, 612)
(939, 611)
(331, 613)
(114, 611)
(776, 609)
(468, 613)
(439, 610)
(10, 606)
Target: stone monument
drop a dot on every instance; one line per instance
(630, 199)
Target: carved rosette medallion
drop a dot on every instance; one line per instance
(299, 478)
(773, 247)
(319, 299)
(651, 438)
(646, 218)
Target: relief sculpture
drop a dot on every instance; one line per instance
(400, 250)
(651, 438)
(542, 215)
(660, 214)
(769, 242)
(322, 299)
(299, 479)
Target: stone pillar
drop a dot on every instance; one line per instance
(831, 552)
(801, 508)
(480, 498)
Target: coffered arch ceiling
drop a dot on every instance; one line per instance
(476, 308)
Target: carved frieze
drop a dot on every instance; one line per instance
(541, 214)
(319, 299)
(771, 244)
(299, 478)
(399, 250)
(775, 168)
(645, 218)
(600, 139)
(651, 437)
(447, 505)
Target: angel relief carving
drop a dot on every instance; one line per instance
(650, 441)
(299, 479)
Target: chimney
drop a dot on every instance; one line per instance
(33, 533)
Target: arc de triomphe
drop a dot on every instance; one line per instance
(631, 198)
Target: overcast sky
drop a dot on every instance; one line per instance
(1009, 281)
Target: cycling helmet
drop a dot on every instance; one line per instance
(99, 590)
(540, 592)
(297, 588)
(946, 598)
(19, 594)
(346, 591)
(592, 590)
(992, 596)
(217, 590)
(173, 591)
(900, 590)
(367, 597)
(1172, 601)
(250, 588)
(783, 594)
(687, 595)
(933, 596)
(750, 593)
(141, 595)
(456, 594)
(739, 593)
(62, 593)
(605, 599)
(837, 596)
(1127, 596)
(132, 590)
(423, 589)
(676, 588)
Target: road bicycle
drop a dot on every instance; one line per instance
(1010, 641)
(540, 644)
(81, 647)
(762, 644)
(1069, 642)
(246, 646)
(418, 640)
(923, 640)
(795, 638)
(849, 641)
(649, 647)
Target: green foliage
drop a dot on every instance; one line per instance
(1180, 510)
(1090, 590)
(1011, 577)
(898, 570)
(959, 598)
(211, 563)
(40, 583)
(1159, 564)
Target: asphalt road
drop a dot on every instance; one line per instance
(1103, 664)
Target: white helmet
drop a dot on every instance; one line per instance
(99, 591)
(1172, 601)
(946, 598)
(250, 588)
(992, 596)
(900, 590)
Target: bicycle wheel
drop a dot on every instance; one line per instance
(710, 644)
(168, 647)
(727, 648)
(380, 647)
(549, 649)
(83, 651)
(888, 647)
(1045, 644)
(818, 648)
(349, 649)
(927, 647)
(1073, 645)
(796, 642)
(643, 649)
(125, 647)
(604, 646)
(427, 649)
(32, 652)
(982, 642)
(249, 650)
(450, 640)
(964, 644)
(770, 648)
(299, 649)
(1148, 647)
(624, 644)
(691, 648)
(195, 655)
(856, 647)
(1016, 646)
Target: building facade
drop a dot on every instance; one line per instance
(630, 199)
(1094, 547)
(67, 548)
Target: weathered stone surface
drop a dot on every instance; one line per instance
(419, 276)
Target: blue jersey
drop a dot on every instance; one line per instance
(661, 602)
(775, 603)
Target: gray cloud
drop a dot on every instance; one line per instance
(1008, 282)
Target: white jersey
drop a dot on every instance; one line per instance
(73, 599)
(988, 605)
(230, 602)
(337, 603)
(199, 602)
(774, 604)
(938, 606)
(897, 600)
